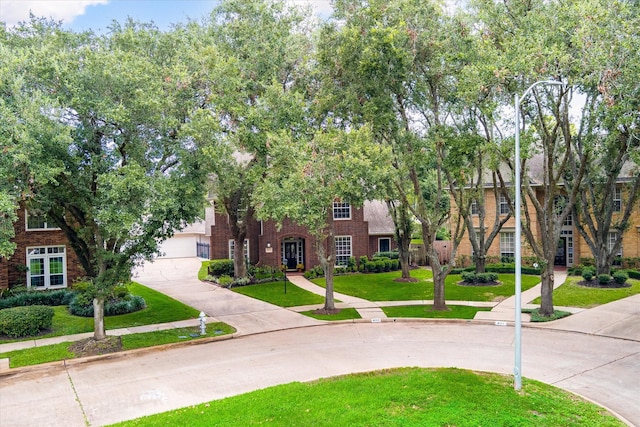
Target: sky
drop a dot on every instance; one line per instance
(97, 15)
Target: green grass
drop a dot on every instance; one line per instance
(343, 314)
(57, 352)
(203, 272)
(410, 397)
(425, 311)
(570, 294)
(160, 309)
(382, 287)
(273, 292)
(537, 318)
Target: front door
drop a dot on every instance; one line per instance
(561, 252)
(291, 255)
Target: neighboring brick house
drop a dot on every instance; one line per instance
(43, 258)
(571, 246)
(359, 232)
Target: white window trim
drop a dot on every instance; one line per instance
(46, 256)
(46, 225)
(384, 238)
(503, 202)
(617, 199)
(231, 248)
(611, 238)
(502, 251)
(341, 255)
(342, 206)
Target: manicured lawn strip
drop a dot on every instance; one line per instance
(425, 311)
(38, 355)
(400, 397)
(203, 271)
(57, 352)
(382, 287)
(169, 336)
(273, 292)
(570, 294)
(160, 309)
(343, 314)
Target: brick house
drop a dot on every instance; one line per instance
(43, 258)
(359, 232)
(571, 245)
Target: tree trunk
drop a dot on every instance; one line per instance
(481, 263)
(546, 290)
(603, 262)
(98, 319)
(404, 264)
(329, 303)
(239, 261)
(439, 302)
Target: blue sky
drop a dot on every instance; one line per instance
(97, 14)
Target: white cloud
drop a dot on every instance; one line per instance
(14, 11)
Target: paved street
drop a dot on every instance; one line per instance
(267, 351)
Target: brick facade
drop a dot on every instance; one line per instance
(570, 236)
(266, 242)
(12, 270)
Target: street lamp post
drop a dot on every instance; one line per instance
(517, 370)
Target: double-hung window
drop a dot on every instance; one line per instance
(504, 205)
(617, 199)
(341, 210)
(343, 250)
(507, 246)
(232, 248)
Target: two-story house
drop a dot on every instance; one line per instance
(359, 232)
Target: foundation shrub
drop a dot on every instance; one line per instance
(52, 298)
(604, 279)
(26, 321)
(620, 277)
(220, 267)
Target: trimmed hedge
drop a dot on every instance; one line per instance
(52, 298)
(131, 304)
(25, 321)
(620, 277)
(221, 267)
(488, 277)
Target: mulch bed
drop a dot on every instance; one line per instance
(596, 284)
(92, 347)
(494, 283)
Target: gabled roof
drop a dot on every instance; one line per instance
(376, 213)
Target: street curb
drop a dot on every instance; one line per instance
(63, 364)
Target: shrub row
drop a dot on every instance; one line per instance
(488, 277)
(499, 268)
(130, 304)
(220, 267)
(52, 298)
(25, 321)
(390, 255)
(619, 277)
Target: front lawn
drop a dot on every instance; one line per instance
(426, 311)
(571, 294)
(382, 287)
(395, 397)
(273, 292)
(160, 309)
